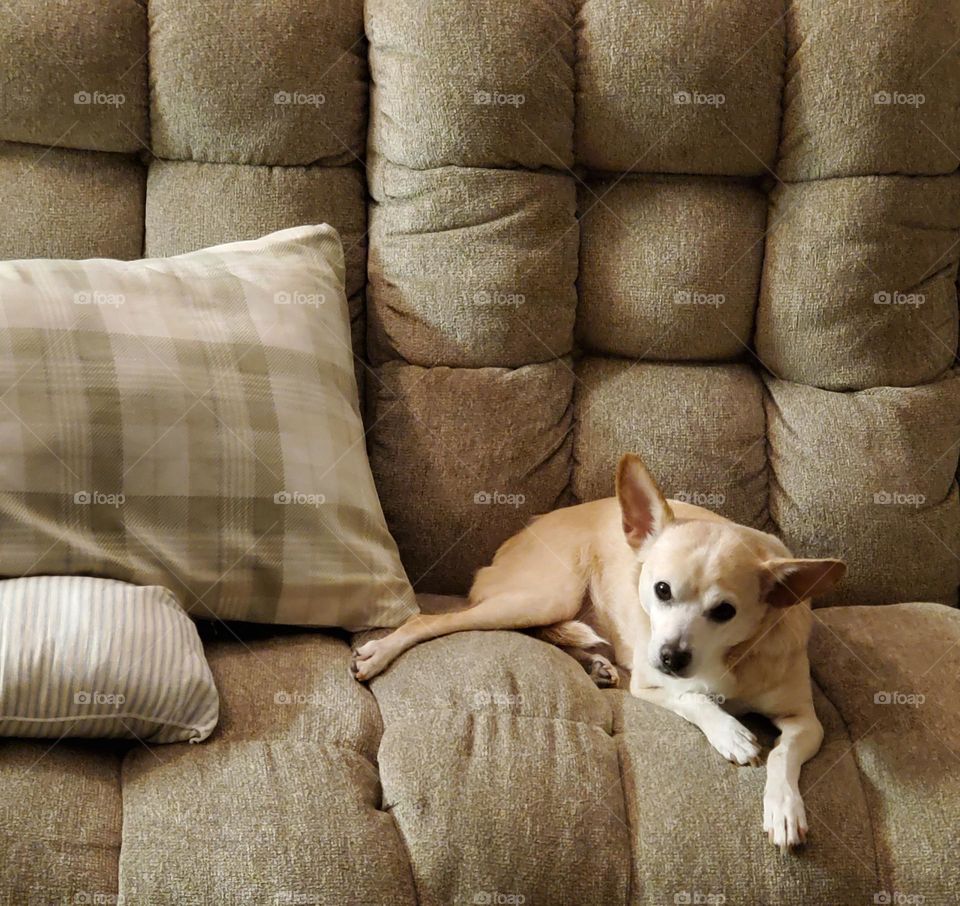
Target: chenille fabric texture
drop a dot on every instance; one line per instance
(193, 422)
(559, 246)
(95, 657)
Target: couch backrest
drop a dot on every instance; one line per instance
(723, 235)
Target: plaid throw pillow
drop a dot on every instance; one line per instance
(193, 422)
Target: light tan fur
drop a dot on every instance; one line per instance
(587, 575)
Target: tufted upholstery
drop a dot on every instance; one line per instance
(723, 234)
(576, 214)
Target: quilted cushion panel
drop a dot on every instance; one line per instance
(536, 809)
(264, 83)
(70, 204)
(859, 281)
(870, 87)
(287, 786)
(679, 87)
(60, 821)
(871, 474)
(510, 299)
(493, 84)
(465, 457)
(74, 74)
(670, 266)
(700, 428)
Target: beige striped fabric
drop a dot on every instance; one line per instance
(81, 656)
(193, 422)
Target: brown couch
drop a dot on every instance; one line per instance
(723, 234)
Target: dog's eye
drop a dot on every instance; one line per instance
(722, 612)
(662, 591)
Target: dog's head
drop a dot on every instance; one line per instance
(706, 585)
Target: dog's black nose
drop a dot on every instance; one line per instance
(676, 660)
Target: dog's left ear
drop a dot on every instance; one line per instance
(785, 581)
(644, 508)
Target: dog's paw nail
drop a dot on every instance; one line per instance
(785, 820)
(604, 674)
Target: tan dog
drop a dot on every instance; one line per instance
(702, 611)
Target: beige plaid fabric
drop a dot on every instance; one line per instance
(193, 422)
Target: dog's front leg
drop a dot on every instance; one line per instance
(784, 817)
(723, 731)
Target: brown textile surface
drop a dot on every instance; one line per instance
(559, 193)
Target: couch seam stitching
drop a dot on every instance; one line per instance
(389, 811)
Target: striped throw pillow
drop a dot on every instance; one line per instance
(193, 422)
(93, 657)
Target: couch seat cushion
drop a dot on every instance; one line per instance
(892, 674)
(282, 804)
(60, 821)
(485, 766)
(509, 774)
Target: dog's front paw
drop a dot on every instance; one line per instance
(784, 818)
(734, 741)
(370, 659)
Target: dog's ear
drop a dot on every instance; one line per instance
(644, 508)
(784, 581)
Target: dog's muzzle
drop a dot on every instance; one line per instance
(674, 660)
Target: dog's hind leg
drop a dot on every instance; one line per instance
(536, 579)
(579, 640)
(505, 610)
